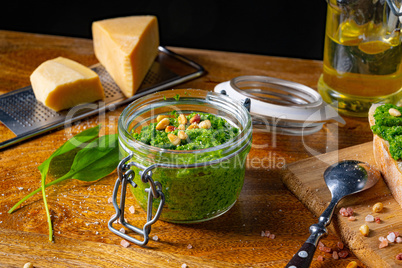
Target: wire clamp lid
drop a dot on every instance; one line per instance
(126, 175)
(284, 106)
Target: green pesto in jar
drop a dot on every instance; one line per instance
(389, 128)
(198, 138)
(199, 193)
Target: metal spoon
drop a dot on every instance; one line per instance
(343, 178)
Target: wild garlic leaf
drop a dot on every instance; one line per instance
(78, 140)
(72, 144)
(97, 160)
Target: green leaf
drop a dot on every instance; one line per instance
(73, 143)
(77, 141)
(97, 160)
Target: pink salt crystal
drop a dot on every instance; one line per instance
(155, 238)
(381, 238)
(189, 246)
(369, 218)
(122, 230)
(340, 245)
(110, 200)
(391, 237)
(320, 258)
(350, 211)
(262, 233)
(351, 218)
(321, 244)
(132, 209)
(272, 236)
(346, 212)
(399, 256)
(396, 234)
(184, 265)
(335, 255)
(383, 244)
(267, 233)
(398, 239)
(343, 254)
(125, 243)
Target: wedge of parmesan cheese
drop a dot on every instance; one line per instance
(126, 47)
(62, 83)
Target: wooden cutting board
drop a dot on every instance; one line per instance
(305, 180)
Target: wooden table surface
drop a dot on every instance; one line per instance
(80, 211)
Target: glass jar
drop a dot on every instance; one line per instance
(196, 185)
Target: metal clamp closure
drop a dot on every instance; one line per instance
(126, 174)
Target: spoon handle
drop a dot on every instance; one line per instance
(303, 258)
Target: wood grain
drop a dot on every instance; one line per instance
(80, 211)
(305, 180)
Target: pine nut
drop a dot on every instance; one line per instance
(378, 207)
(195, 119)
(182, 135)
(28, 265)
(163, 124)
(182, 120)
(193, 126)
(160, 117)
(394, 112)
(170, 128)
(206, 124)
(352, 264)
(174, 139)
(364, 230)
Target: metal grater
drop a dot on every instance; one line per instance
(26, 117)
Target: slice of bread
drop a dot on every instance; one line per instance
(390, 168)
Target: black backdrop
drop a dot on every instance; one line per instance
(277, 28)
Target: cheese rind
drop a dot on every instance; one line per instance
(62, 83)
(126, 47)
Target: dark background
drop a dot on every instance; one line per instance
(276, 28)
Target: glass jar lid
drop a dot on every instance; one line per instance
(279, 105)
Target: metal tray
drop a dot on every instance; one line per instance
(26, 117)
